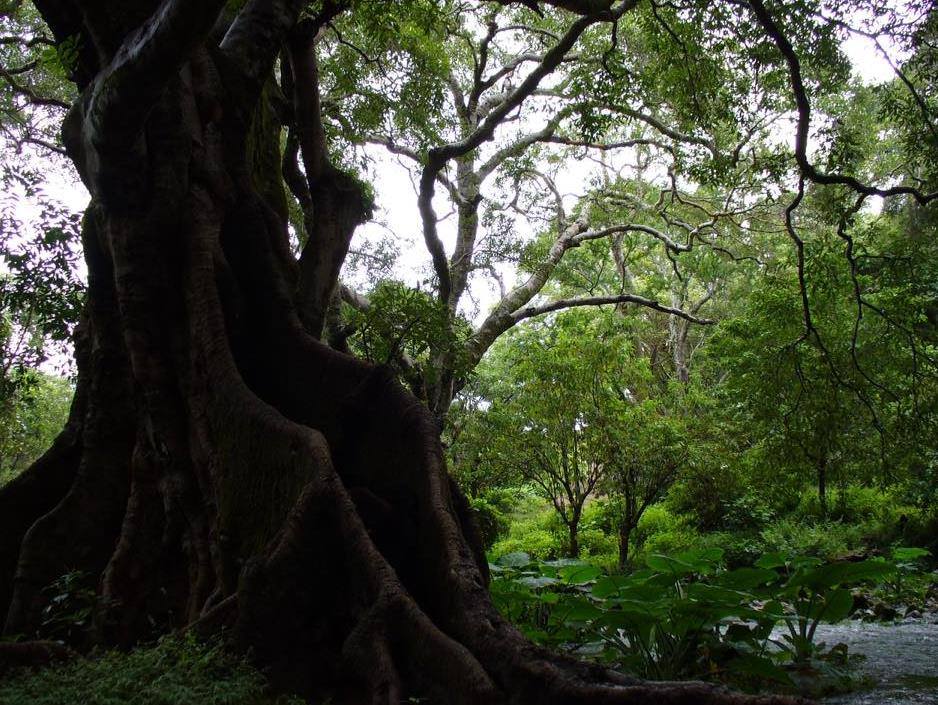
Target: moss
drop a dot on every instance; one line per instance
(263, 151)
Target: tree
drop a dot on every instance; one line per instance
(572, 409)
(646, 446)
(501, 140)
(539, 419)
(221, 467)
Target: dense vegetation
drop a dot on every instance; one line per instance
(663, 376)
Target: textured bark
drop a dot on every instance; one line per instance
(222, 467)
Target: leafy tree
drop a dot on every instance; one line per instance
(570, 409)
(539, 424)
(221, 466)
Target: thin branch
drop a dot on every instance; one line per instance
(561, 304)
(438, 156)
(804, 119)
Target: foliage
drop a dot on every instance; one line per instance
(685, 615)
(827, 540)
(31, 414)
(69, 609)
(567, 407)
(404, 323)
(908, 561)
(174, 671)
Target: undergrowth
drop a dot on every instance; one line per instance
(174, 671)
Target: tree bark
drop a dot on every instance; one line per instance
(625, 534)
(222, 467)
(573, 545)
(822, 484)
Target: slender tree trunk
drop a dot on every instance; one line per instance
(573, 542)
(822, 485)
(625, 534)
(222, 467)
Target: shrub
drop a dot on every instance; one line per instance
(533, 529)
(827, 540)
(662, 531)
(538, 543)
(704, 493)
(740, 548)
(175, 671)
(594, 542)
(602, 514)
(853, 504)
(491, 518)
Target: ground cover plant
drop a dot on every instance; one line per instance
(688, 616)
(174, 671)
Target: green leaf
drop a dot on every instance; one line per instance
(772, 560)
(837, 606)
(579, 574)
(761, 667)
(537, 582)
(832, 574)
(610, 585)
(667, 564)
(746, 578)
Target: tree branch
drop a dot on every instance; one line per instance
(149, 57)
(532, 311)
(803, 105)
(438, 156)
(257, 33)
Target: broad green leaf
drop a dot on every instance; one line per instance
(832, 574)
(579, 574)
(746, 578)
(537, 582)
(837, 606)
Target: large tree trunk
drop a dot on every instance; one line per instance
(222, 467)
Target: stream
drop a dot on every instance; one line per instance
(902, 659)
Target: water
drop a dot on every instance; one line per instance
(902, 659)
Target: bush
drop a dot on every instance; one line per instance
(491, 515)
(594, 542)
(853, 504)
(533, 529)
(704, 493)
(537, 543)
(920, 529)
(175, 671)
(602, 514)
(740, 548)
(661, 531)
(826, 540)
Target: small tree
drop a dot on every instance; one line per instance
(591, 416)
(537, 385)
(645, 447)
